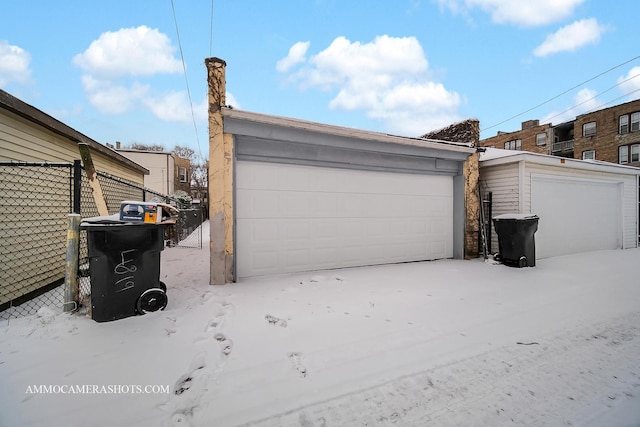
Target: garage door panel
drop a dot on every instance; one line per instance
(575, 215)
(338, 218)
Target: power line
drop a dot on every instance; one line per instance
(594, 97)
(612, 100)
(211, 33)
(563, 93)
(184, 70)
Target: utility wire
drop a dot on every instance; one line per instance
(594, 97)
(612, 100)
(211, 33)
(563, 93)
(184, 70)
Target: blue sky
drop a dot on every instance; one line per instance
(113, 70)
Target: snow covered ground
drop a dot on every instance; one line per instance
(443, 343)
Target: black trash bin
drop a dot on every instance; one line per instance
(516, 242)
(124, 264)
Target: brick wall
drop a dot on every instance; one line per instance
(466, 131)
(527, 136)
(606, 140)
(182, 163)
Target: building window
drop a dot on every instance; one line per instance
(513, 145)
(589, 129)
(635, 122)
(183, 174)
(623, 154)
(589, 155)
(628, 154)
(541, 139)
(623, 126)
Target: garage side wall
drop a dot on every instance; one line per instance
(502, 181)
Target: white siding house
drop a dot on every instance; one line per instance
(35, 205)
(582, 205)
(161, 166)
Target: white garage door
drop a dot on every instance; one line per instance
(302, 218)
(575, 216)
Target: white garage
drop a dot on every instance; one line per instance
(580, 215)
(582, 205)
(309, 196)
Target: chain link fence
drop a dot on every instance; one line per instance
(35, 200)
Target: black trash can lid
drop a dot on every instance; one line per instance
(516, 216)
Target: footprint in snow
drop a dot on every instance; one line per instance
(276, 321)
(226, 345)
(186, 381)
(295, 359)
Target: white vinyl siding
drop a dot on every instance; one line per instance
(502, 181)
(21, 140)
(26, 234)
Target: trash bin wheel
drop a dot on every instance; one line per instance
(163, 287)
(522, 262)
(153, 299)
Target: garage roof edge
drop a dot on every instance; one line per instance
(545, 159)
(346, 132)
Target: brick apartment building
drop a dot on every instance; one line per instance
(611, 135)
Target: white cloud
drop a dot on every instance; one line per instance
(14, 64)
(114, 61)
(296, 56)
(571, 37)
(140, 51)
(519, 12)
(231, 100)
(110, 98)
(630, 84)
(386, 78)
(175, 107)
(585, 101)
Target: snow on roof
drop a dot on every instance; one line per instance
(496, 153)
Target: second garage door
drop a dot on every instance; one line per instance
(575, 215)
(293, 218)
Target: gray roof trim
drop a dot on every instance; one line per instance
(294, 130)
(36, 116)
(546, 159)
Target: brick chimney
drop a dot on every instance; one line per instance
(530, 124)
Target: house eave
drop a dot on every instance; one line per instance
(36, 116)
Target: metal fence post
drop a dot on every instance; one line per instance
(71, 265)
(77, 185)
